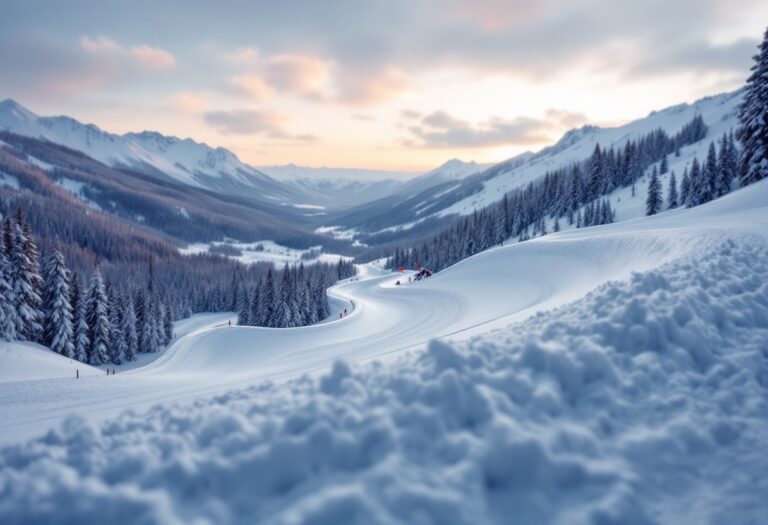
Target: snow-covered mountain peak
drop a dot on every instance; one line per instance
(10, 110)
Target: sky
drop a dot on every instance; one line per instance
(398, 85)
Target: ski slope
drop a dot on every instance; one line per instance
(489, 291)
(615, 374)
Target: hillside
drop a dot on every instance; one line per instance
(387, 219)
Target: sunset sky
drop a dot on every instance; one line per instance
(392, 84)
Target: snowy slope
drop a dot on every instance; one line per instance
(642, 402)
(183, 160)
(21, 361)
(719, 113)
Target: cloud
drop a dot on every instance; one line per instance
(251, 122)
(296, 73)
(246, 122)
(252, 86)
(369, 87)
(190, 102)
(441, 130)
(46, 68)
(143, 56)
(152, 58)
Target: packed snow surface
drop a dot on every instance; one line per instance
(609, 375)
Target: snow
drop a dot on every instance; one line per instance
(76, 188)
(9, 181)
(266, 251)
(309, 206)
(614, 374)
(21, 361)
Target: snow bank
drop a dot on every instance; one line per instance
(644, 402)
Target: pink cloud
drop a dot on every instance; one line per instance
(143, 56)
(187, 102)
(252, 86)
(152, 58)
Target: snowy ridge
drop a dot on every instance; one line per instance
(719, 113)
(184, 160)
(569, 417)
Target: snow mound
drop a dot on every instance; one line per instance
(643, 402)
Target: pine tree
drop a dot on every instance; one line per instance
(726, 167)
(695, 185)
(81, 341)
(253, 316)
(685, 189)
(97, 317)
(653, 201)
(244, 309)
(7, 311)
(753, 120)
(168, 324)
(672, 192)
(148, 336)
(128, 330)
(710, 175)
(119, 348)
(267, 301)
(664, 167)
(57, 321)
(26, 282)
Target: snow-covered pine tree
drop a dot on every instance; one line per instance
(253, 316)
(128, 330)
(267, 301)
(697, 185)
(726, 161)
(320, 299)
(149, 337)
(710, 175)
(26, 282)
(664, 167)
(57, 310)
(168, 324)
(80, 325)
(7, 311)
(672, 192)
(685, 188)
(97, 317)
(119, 347)
(653, 200)
(244, 309)
(284, 314)
(753, 120)
(594, 183)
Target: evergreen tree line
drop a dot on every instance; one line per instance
(96, 324)
(575, 193)
(702, 183)
(111, 322)
(295, 297)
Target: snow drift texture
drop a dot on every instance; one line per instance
(644, 402)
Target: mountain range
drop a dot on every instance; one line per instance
(314, 205)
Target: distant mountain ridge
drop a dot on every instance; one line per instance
(183, 160)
